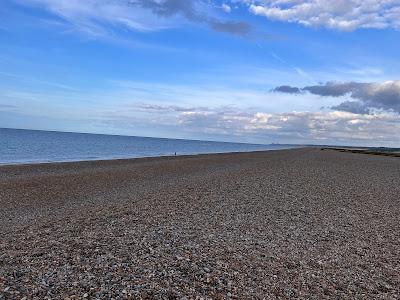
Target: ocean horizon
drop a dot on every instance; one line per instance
(23, 146)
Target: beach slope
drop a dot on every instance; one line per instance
(299, 223)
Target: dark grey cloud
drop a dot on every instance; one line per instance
(354, 107)
(237, 28)
(334, 89)
(190, 10)
(385, 95)
(287, 89)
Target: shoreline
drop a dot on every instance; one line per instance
(32, 163)
(299, 223)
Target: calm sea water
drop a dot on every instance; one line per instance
(31, 146)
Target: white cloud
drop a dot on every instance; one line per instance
(289, 127)
(299, 126)
(226, 8)
(338, 14)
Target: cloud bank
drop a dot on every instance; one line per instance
(367, 96)
(289, 127)
(339, 14)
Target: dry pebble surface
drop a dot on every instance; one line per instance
(303, 223)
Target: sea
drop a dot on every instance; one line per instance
(19, 146)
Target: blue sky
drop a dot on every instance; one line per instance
(286, 71)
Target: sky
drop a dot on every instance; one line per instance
(258, 71)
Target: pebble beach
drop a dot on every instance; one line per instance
(288, 224)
